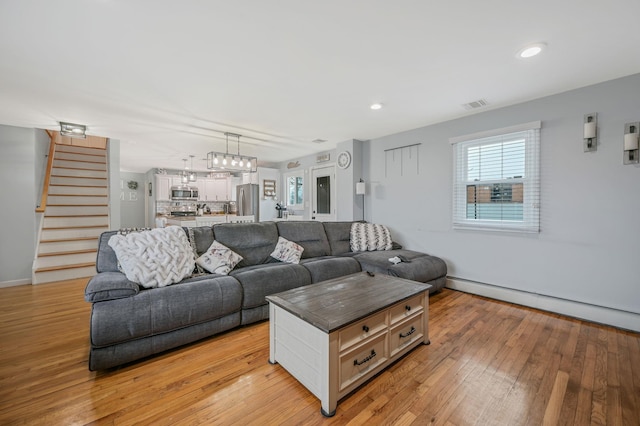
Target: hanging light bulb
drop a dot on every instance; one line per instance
(224, 160)
(184, 178)
(241, 163)
(248, 164)
(215, 159)
(233, 161)
(192, 174)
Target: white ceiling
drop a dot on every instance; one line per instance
(169, 77)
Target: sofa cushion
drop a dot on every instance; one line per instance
(218, 259)
(329, 267)
(370, 237)
(262, 280)
(339, 236)
(203, 238)
(422, 267)
(309, 234)
(106, 261)
(253, 241)
(154, 258)
(109, 286)
(287, 251)
(160, 310)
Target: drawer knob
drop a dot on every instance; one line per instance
(366, 359)
(408, 308)
(365, 328)
(408, 333)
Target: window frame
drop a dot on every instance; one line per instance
(296, 175)
(530, 222)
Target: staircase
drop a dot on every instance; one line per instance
(76, 213)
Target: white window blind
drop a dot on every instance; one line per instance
(496, 181)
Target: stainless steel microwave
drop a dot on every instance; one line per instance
(184, 192)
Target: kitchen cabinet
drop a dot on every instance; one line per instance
(217, 189)
(163, 187)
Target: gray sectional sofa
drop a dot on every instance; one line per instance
(129, 322)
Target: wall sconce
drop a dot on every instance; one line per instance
(361, 189)
(73, 130)
(631, 133)
(590, 136)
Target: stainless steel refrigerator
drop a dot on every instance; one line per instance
(248, 200)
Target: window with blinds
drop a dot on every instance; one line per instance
(496, 182)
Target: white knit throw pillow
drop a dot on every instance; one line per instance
(370, 237)
(154, 258)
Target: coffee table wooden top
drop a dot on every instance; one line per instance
(333, 304)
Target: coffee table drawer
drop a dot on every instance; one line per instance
(405, 309)
(362, 330)
(360, 361)
(402, 335)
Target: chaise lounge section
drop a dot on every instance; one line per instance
(129, 322)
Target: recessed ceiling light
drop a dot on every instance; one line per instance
(375, 106)
(531, 50)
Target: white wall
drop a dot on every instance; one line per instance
(18, 194)
(589, 246)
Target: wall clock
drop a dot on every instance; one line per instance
(344, 159)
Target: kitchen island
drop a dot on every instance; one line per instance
(204, 220)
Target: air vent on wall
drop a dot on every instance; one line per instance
(475, 104)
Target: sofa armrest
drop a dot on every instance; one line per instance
(109, 286)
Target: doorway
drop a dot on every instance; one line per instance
(323, 194)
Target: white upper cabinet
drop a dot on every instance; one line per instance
(163, 187)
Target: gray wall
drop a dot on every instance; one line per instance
(349, 205)
(589, 246)
(132, 201)
(113, 151)
(18, 194)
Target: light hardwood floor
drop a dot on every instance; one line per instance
(489, 363)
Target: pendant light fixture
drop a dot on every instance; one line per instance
(184, 177)
(192, 173)
(234, 162)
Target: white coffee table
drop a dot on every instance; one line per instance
(335, 335)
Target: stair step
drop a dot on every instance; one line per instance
(72, 156)
(68, 252)
(67, 273)
(80, 165)
(56, 246)
(71, 172)
(68, 234)
(52, 261)
(74, 200)
(78, 181)
(80, 149)
(71, 266)
(76, 210)
(74, 221)
(77, 190)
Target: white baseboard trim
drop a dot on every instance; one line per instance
(14, 283)
(598, 314)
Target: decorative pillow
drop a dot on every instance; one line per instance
(370, 237)
(219, 259)
(287, 251)
(154, 258)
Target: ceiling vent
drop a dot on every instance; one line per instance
(319, 140)
(475, 104)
